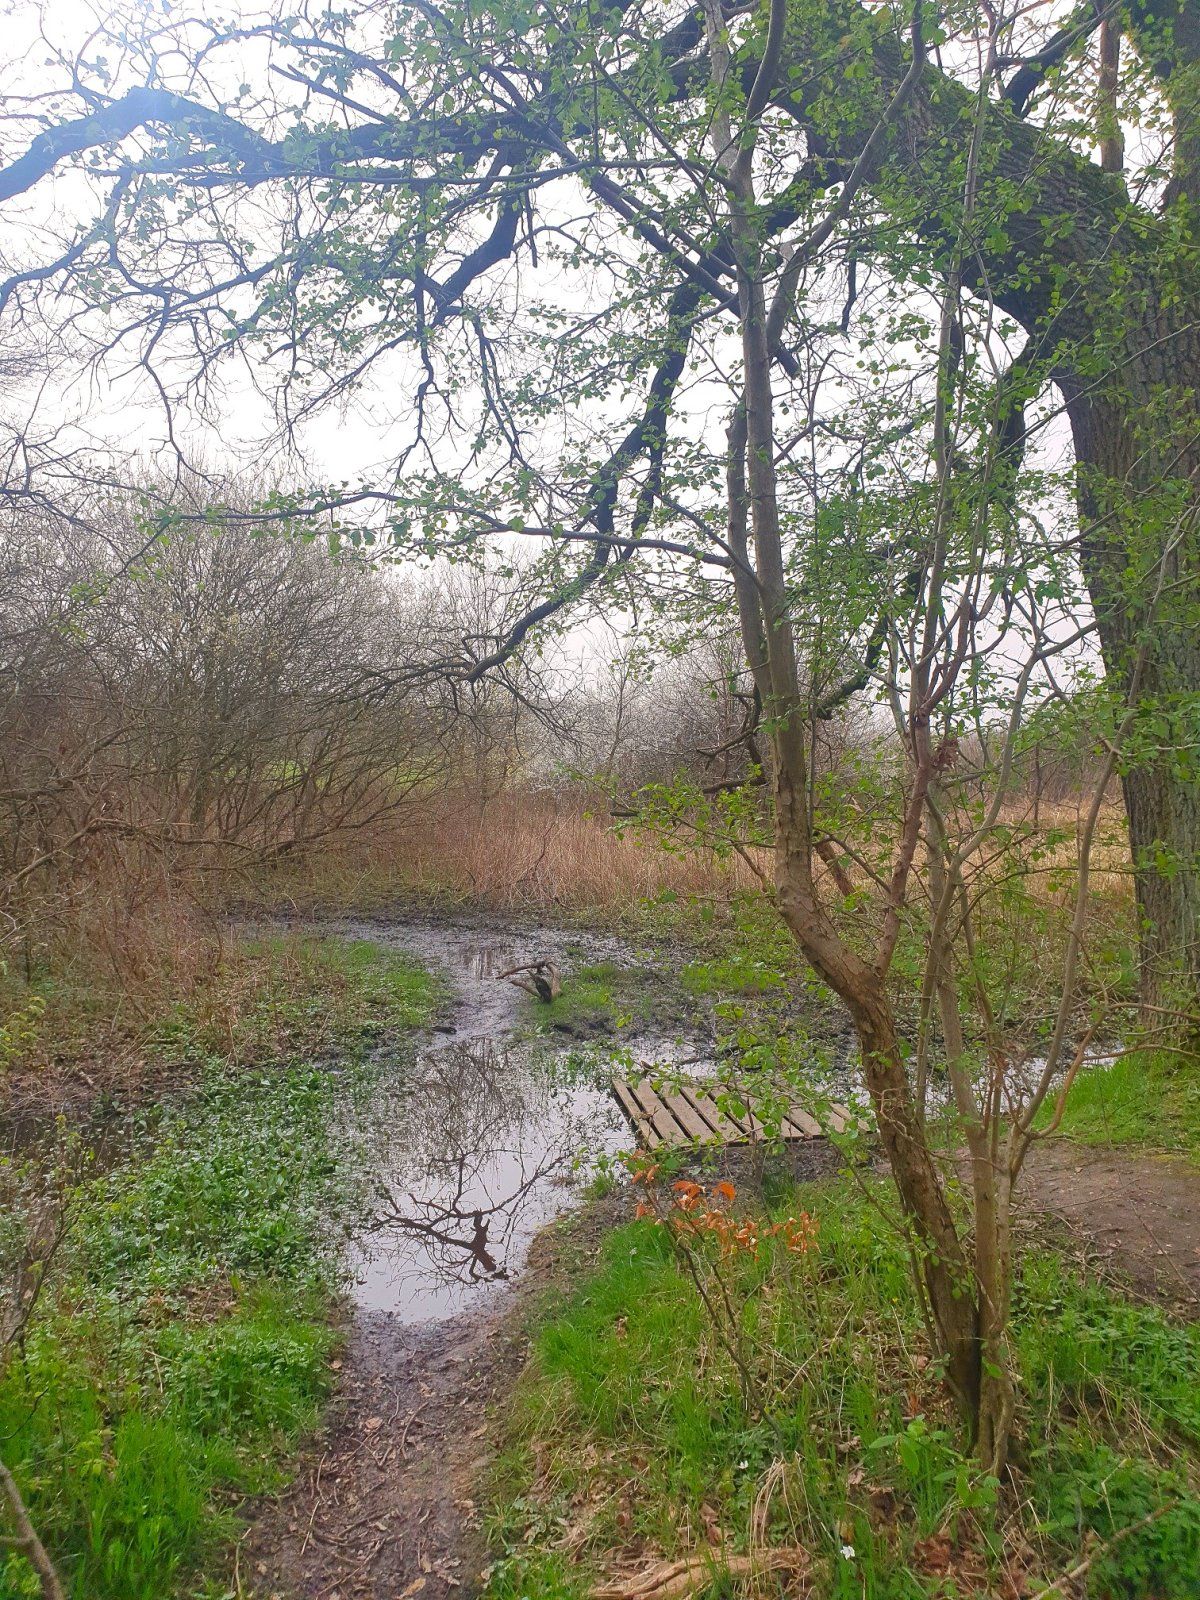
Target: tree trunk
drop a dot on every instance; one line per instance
(949, 1281)
(945, 1272)
(1109, 291)
(1137, 442)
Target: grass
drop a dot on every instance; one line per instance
(631, 1435)
(297, 996)
(602, 997)
(1148, 1099)
(288, 996)
(181, 1345)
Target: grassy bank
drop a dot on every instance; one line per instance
(250, 1000)
(633, 1435)
(181, 1340)
(1147, 1099)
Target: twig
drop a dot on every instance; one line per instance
(26, 1540)
(1078, 1571)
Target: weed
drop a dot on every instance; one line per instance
(183, 1344)
(1147, 1098)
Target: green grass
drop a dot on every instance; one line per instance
(290, 996)
(598, 997)
(295, 996)
(630, 1430)
(182, 1344)
(736, 973)
(1147, 1098)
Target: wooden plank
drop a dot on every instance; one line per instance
(642, 1124)
(689, 1116)
(726, 1127)
(839, 1116)
(805, 1125)
(748, 1125)
(666, 1124)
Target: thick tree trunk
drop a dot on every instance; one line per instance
(1110, 293)
(1137, 442)
(1164, 815)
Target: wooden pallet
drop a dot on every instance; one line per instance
(687, 1114)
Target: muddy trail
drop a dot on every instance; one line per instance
(477, 1152)
(1136, 1217)
(476, 1147)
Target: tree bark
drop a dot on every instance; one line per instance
(1137, 442)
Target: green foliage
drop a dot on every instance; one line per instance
(1141, 1374)
(288, 996)
(605, 998)
(628, 1384)
(298, 996)
(738, 973)
(183, 1340)
(21, 1024)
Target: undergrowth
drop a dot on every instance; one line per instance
(254, 1000)
(182, 1339)
(630, 1435)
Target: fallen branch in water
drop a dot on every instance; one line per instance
(545, 982)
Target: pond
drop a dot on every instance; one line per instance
(493, 1130)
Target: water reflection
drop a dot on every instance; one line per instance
(474, 1156)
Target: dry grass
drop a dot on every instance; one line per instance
(514, 851)
(107, 949)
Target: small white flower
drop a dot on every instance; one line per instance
(848, 1552)
(742, 1465)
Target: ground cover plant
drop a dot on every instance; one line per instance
(632, 1436)
(181, 1339)
(1147, 1099)
(843, 351)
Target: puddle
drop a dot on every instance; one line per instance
(477, 1142)
(487, 1136)
(482, 1149)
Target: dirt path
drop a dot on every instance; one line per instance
(383, 1506)
(1139, 1214)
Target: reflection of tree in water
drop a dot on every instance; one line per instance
(468, 1143)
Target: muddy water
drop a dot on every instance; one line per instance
(489, 1134)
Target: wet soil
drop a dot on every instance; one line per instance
(474, 1149)
(384, 1502)
(387, 1501)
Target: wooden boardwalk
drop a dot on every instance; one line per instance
(687, 1114)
